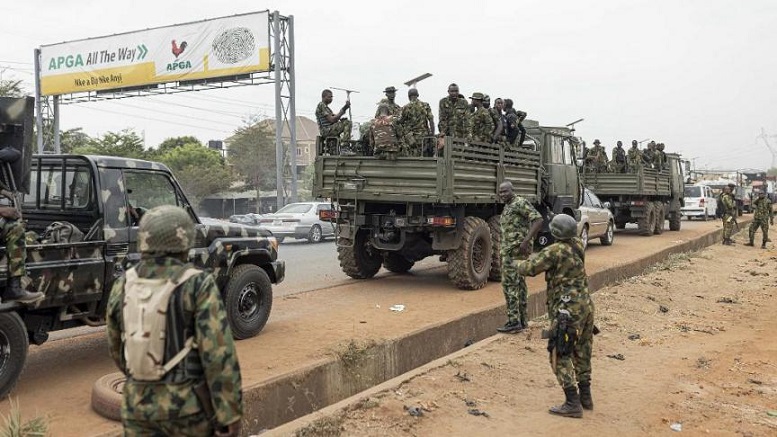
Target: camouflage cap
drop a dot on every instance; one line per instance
(563, 227)
(412, 92)
(165, 229)
(477, 96)
(390, 89)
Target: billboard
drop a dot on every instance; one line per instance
(202, 50)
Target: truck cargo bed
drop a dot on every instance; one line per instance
(647, 182)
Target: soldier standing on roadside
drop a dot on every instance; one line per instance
(482, 123)
(331, 124)
(634, 157)
(168, 332)
(417, 122)
(571, 313)
(520, 222)
(454, 110)
(763, 216)
(618, 163)
(729, 215)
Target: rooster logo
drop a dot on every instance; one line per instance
(177, 50)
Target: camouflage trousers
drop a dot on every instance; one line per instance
(194, 425)
(515, 291)
(728, 226)
(15, 246)
(413, 143)
(575, 368)
(762, 223)
(341, 129)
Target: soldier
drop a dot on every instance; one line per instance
(168, 332)
(618, 163)
(634, 157)
(365, 138)
(520, 222)
(487, 102)
(497, 116)
(514, 130)
(330, 124)
(393, 108)
(649, 155)
(762, 218)
(729, 214)
(384, 134)
(571, 313)
(482, 125)
(454, 120)
(417, 122)
(597, 157)
(660, 156)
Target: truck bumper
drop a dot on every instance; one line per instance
(279, 270)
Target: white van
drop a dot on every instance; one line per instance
(699, 202)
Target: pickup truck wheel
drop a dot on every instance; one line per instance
(495, 274)
(609, 235)
(107, 393)
(674, 221)
(647, 223)
(14, 342)
(316, 235)
(660, 214)
(248, 300)
(361, 261)
(470, 264)
(396, 263)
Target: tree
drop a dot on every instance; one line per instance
(199, 170)
(175, 142)
(72, 139)
(11, 88)
(252, 154)
(772, 171)
(126, 143)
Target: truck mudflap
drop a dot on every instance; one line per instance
(279, 270)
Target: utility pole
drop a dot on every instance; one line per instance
(765, 139)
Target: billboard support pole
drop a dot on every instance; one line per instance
(56, 125)
(277, 66)
(38, 103)
(292, 108)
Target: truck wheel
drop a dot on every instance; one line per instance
(609, 235)
(659, 228)
(470, 264)
(248, 300)
(396, 263)
(315, 235)
(495, 274)
(361, 261)
(107, 393)
(674, 221)
(14, 342)
(647, 223)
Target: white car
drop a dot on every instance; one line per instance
(299, 220)
(699, 202)
(596, 220)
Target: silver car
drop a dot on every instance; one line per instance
(596, 220)
(299, 220)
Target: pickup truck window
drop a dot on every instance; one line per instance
(149, 189)
(47, 190)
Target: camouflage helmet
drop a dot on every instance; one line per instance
(165, 229)
(486, 98)
(563, 227)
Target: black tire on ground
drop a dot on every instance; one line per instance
(584, 236)
(674, 221)
(248, 300)
(396, 263)
(361, 261)
(660, 214)
(316, 234)
(609, 235)
(647, 223)
(470, 264)
(14, 342)
(107, 393)
(495, 274)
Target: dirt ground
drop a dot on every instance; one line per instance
(688, 345)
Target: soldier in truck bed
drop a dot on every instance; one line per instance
(454, 114)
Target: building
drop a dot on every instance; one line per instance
(307, 131)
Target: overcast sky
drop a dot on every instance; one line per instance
(698, 75)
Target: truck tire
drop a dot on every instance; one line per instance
(660, 214)
(14, 342)
(470, 264)
(609, 235)
(647, 223)
(674, 221)
(495, 274)
(396, 263)
(107, 393)
(248, 300)
(361, 261)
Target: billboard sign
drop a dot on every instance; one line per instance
(206, 49)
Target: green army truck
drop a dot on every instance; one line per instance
(646, 197)
(100, 200)
(392, 213)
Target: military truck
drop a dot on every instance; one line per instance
(103, 198)
(392, 213)
(646, 197)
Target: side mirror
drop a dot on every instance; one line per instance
(606, 205)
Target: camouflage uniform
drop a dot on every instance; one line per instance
(618, 163)
(341, 128)
(482, 126)
(414, 119)
(454, 117)
(393, 108)
(634, 159)
(512, 127)
(659, 157)
(515, 222)
(496, 117)
(729, 215)
(597, 158)
(763, 214)
(649, 155)
(385, 137)
(15, 241)
(159, 407)
(567, 288)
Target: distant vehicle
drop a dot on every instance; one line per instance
(246, 219)
(700, 202)
(299, 220)
(596, 220)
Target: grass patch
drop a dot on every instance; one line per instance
(14, 426)
(330, 426)
(675, 261)
(354, 352)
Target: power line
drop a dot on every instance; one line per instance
(154, 119)
(165, 112)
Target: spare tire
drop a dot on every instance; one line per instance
(107, 395)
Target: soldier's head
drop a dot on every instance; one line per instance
(619, 144)
(499, 104)
(597, 142)
(727, 188)
(506, 191)
(732, 186)
(660, 146)
(563, 227)
(486, 101)
(761, 194)
(453, 91)
(390, 92)
(508, 103)
(412, 94)
(652, 145)
(477, 100)
(165, 231)
(634, 143)
(383, 110)
(326, 96)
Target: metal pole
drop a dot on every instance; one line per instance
(38, 103)
(277, 62)
(56, 125)
(292, 108)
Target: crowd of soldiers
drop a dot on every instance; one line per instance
(624, 161)
(409, 130)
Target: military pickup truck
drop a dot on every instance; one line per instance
(394, 213)
(103, 197)
(646, 197)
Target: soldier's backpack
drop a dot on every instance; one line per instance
(145, 321)
(61, 232)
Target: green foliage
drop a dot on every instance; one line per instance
(772, 171)
(127, 144)
(12, 88)
(199, 170)
(308, 178)
(72, 139)
(14, 426)
(251, 153)
(175, 142)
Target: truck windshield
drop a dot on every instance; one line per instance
(692, 191)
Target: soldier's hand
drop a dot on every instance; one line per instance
(347, 105)
(9, 212)
(525, 248)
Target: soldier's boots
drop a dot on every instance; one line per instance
(763, 245)
(511, 327)
(571, 407)
(15, 292)
(750, 243)
(585, 395)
